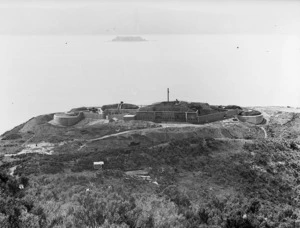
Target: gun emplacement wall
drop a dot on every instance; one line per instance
(217, 116)
(113, 111)
(92, 115)
(258, 119)
(190, 117)
(167, 116)
(66, 119)
(118, 113)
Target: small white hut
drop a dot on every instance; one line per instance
(98, 165)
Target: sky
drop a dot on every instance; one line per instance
(56, 55)
(53, 17)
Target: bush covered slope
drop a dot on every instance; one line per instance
(240, 179)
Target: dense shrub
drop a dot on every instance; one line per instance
(264, 175)
(12, 136)
(96, 209)
(15, 210)
(180, 199)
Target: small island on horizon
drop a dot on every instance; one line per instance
(128, 39)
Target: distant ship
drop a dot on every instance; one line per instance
(128, 39)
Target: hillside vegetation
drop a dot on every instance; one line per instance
(226, 174)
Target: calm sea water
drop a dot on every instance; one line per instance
(45, 74)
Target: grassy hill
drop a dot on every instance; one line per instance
(224, 174)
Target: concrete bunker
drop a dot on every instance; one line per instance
(75, 115)
(67, 119)
(251, 116)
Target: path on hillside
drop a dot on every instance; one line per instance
(144, 131)
(163, 126)
(115, 134)
(264, 130)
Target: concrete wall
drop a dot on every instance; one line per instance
(190, 117)
(166, 116)
(67, 120)
(118, 116)
(231, 113)
(148, 116)
(92, 115)
(212, 117)
(251, 119)
(217, 116)
(120, 111)
(129, 117)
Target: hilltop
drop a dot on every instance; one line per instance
(222, 174)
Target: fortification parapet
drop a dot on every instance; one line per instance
(190, 117)
(67, 119)
(217, 116)
(118, 113)
(167, 116)
(258, 119)
(92, 115)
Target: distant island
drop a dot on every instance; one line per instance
(128, 39)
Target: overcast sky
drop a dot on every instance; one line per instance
(56, 55)
(150, 17)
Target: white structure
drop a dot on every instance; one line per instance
(98, 165)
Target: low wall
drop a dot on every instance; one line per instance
(216, 117)
(251, 119)
(147, 116)
(129, 117)
(118, 116)
(67, 120)
(212, 117)
(92, 115)
(120, 111)
(167, 116)
(190, 117)
(231, 113)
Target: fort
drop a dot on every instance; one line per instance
(256, 119)
(169, 111)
